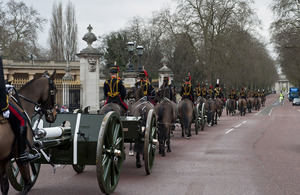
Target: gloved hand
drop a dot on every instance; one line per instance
(6, 114)
(9, 87)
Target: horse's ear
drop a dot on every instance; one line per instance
(45, 73)
(53, 74)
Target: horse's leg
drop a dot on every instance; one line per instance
(3, 179)
(130, 149)
(138, 161)
(25, 173)
(168, 140)
(216, 117)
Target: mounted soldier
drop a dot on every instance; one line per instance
(187, 89)
(243, 94)
(114, 88)
(145, 86)
(198, 91)
(210, 93)
(16, 116)
(203, 91)
(167, 89)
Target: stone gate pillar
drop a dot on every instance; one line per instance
(89, 73)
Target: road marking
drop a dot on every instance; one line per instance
(271, 111)
(298, 110)
(229, 130)
(235, 127)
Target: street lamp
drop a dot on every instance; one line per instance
(140, 52)
(130, 47)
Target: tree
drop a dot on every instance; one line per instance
(286, 36)
(63, 33)
(19, 27)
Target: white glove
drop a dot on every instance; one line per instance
(9, 87)
(6, 114)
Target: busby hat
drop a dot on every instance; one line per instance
(114, 69)
(188, 78)
(142, 74)
(166, 78)
(217, 85)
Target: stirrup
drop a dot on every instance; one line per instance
(26, 158)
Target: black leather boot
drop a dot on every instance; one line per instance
(24, 156)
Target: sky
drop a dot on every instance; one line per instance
(111, 15)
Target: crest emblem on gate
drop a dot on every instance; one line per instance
(92, 65)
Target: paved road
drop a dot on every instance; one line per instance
(254, 154)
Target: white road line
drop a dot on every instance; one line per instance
(271, 111)
(235, 127)
(298, 110)
(229, 130)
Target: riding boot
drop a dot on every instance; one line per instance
(24, 156)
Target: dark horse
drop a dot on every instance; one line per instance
(140, 107)
(39, 92)
(186, 111)
(166, 111)
(112, 107)
(210, 111)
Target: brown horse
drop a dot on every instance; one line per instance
(242, 106)
(250, 102)
(39, 92)
(140, 107)
(257, 103)
(166, 111)
(210, 111)
(112, 107)
(218, 108)
(186, 111)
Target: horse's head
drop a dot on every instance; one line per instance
(47, 100)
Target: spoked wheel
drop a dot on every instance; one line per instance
(14, 174)
(110, 152)
(150, 141)
(78, 168)
(203, 117)
(198, 119)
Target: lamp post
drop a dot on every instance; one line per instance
(140, 52)
(130, 47)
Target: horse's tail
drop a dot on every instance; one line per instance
(185, 116)
(160, 113)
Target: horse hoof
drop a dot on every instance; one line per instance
(163, 154)
(130, 153)
(138, 165)
(169, 150)
(187, 137)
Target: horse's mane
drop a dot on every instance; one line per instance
(27, 84)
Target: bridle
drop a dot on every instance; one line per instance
(51, 97)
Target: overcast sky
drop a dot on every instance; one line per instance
(111, 15)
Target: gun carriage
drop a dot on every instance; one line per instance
(90, 139)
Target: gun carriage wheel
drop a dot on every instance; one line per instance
(150, 141)
(110, 152)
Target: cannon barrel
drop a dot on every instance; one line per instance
(52, 132)
(47, 143)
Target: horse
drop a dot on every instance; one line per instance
(140, 108)
(210, 111)
(231, 106)
(218, 108)
(242, 106)
(40, 93)
(112, 107)
(250, 102)
(166, 111)
(186, 111)
(257, 103)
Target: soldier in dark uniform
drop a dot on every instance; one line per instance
(233, 96)
(198, 90)
(145, 85)
(218, 91)
(114, 88)
(15, 116)
(210, 93)
(243, 94)
(166, 86)
(203, 92)
(187, 89)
